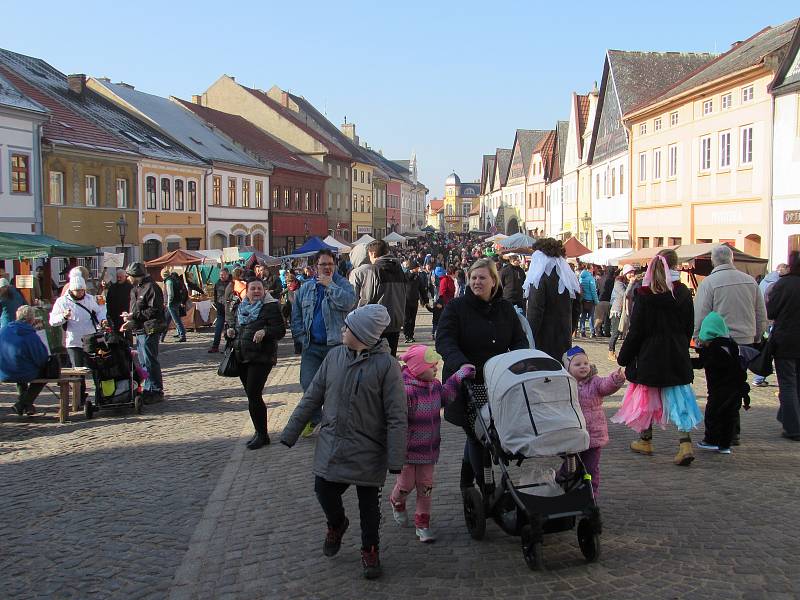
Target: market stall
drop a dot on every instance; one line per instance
(574, 248)
(200, 307)
(605, 257)
(395, 238)
(342, 247)
(364, 239)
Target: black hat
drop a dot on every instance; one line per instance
(136, 269)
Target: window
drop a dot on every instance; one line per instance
(346, 173)
(308, 202)
(246, 193)
(191, 189)
(644, 242)
(708, 107)
(330, 169)
(727, 100)
(287, 193)
(673, 161)
(259, 194)
(675, 241)
(673, 118)
(91, 190)
(56, 187)
(316, 202)
(369, 177)
(614, 181)
(643, 166)
(705, 153)
(362, 204)
(643, 129)
(725, 149)
(747, 94)
(232, 191)
(20, 174)
(747, 145)
(355, 174)
(596, 186)
(193, 243)
(179, 205)
(165, 194)
(150, 186)
(276, 196)
(297, 199)
(658, 242)
(330, 200)
(621, 180)
(172, 246)
(122, 193)
(216, 194)
(362, 176)
(657, 124)
(657, 163)
(369, 203)
(338, 201)
(339, 172)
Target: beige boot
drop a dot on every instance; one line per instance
(612, 356)
(642, 446)
(685, 456)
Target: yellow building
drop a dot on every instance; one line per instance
(701, 156)
(459, 199)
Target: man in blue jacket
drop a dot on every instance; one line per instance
(23, 355)
(318, 313)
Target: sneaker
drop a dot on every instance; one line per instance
(333, 539)
(16, 410)
(371, 561)
(426, 535)
(400, 516)
(762, 383)
(706, 446)
(308, 430)
(181, 339)
(724, 450)
(612, 356)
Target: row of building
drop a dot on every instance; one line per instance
(235, 166)
(673, 148)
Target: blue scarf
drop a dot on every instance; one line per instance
(248, 311)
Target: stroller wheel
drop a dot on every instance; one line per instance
(532, 550)
(588, 540)
(88, 409)
(474, 513)
(137, 404)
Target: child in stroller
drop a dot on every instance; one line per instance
(529, 408)
(114, 371)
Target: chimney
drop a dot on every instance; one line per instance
(349, 129)
(104, 79)
(77, 83)
(285, 99)
(196, 99)
(125, 85)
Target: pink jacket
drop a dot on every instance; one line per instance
(591, 392)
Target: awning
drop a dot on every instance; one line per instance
(174, 259)
(574, 248)
(606, 257)
(23, 246)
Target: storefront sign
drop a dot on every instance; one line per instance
(24, 282)
(791, 217)
(365, 229)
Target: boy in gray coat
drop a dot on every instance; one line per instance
(363, 428)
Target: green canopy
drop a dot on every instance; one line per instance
(22, 246)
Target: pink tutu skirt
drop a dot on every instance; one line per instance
(645, 406)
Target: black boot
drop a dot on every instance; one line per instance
(261, 440)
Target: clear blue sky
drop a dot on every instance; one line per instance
(449, 80)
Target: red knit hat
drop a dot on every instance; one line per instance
(419, 358)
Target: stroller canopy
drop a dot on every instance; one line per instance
(533, 402)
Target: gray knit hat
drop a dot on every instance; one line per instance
(368, 322)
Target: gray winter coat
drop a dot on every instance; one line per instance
(364, 417)
(383, 282)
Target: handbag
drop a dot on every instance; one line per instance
(154, 326)
(228, 366)
(762, 364)
(52, 368)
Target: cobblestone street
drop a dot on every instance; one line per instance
(170, 504)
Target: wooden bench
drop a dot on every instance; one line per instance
(69, 380)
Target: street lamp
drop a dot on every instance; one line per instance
(122, 228)
(586, 221)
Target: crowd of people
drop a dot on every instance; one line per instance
(371, 413)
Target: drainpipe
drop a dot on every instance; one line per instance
(203, 204)
(770, 182)
(38, 203)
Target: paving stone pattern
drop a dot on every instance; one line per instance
(169, 504)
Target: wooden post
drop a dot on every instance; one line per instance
(63, 401)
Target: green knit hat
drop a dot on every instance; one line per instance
(713, 326)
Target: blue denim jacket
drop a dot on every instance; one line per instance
(340, 299)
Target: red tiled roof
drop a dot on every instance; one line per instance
(583, 119)
(67, 126)
(436, 205)
(546, 148)
(252, 138)
(334, 148)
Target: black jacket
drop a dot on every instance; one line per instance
(219, 291)
(416, 288)
(725, 377)
(656, 349)
(511, 279)
(271, 321)
(550, 316)
(606, 286)
(147, 302)
(783, 307)
(118, 300)
(472, 331)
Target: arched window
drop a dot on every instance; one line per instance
(151, 249)
(192, 189)
(219, 241)
(179, 194)
(258, 242)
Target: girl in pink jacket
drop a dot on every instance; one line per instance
(591, 390)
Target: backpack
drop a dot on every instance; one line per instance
(179, 289)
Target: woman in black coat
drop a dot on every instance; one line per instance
(655, 355)
(783, 307)
(473, 328)
(258, 326)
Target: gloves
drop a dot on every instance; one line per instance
(395, 471)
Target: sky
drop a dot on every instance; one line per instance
(448, 80)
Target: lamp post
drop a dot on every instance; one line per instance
(122, 228)
(586, 221)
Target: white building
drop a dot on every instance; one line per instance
(786, 156)
(20, 160)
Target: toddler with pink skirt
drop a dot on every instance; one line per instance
(426, 397)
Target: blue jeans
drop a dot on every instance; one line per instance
(219, 324)
(173, 313)
(147, 349)
(310, 361)
(587, 313)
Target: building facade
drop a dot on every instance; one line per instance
(541, 170)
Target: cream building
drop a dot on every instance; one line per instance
(574, 160)
(786, 156)
(701, 152)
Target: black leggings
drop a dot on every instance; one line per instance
(253, 377)
(329, 494)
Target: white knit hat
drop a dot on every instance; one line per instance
(76, 283)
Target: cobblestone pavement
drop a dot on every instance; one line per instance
(170, 504)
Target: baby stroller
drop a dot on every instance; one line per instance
(528, 407)
(113, 372)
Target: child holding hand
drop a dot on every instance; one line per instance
(591, 390)
(426, 397)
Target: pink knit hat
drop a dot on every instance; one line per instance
(419, 358)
